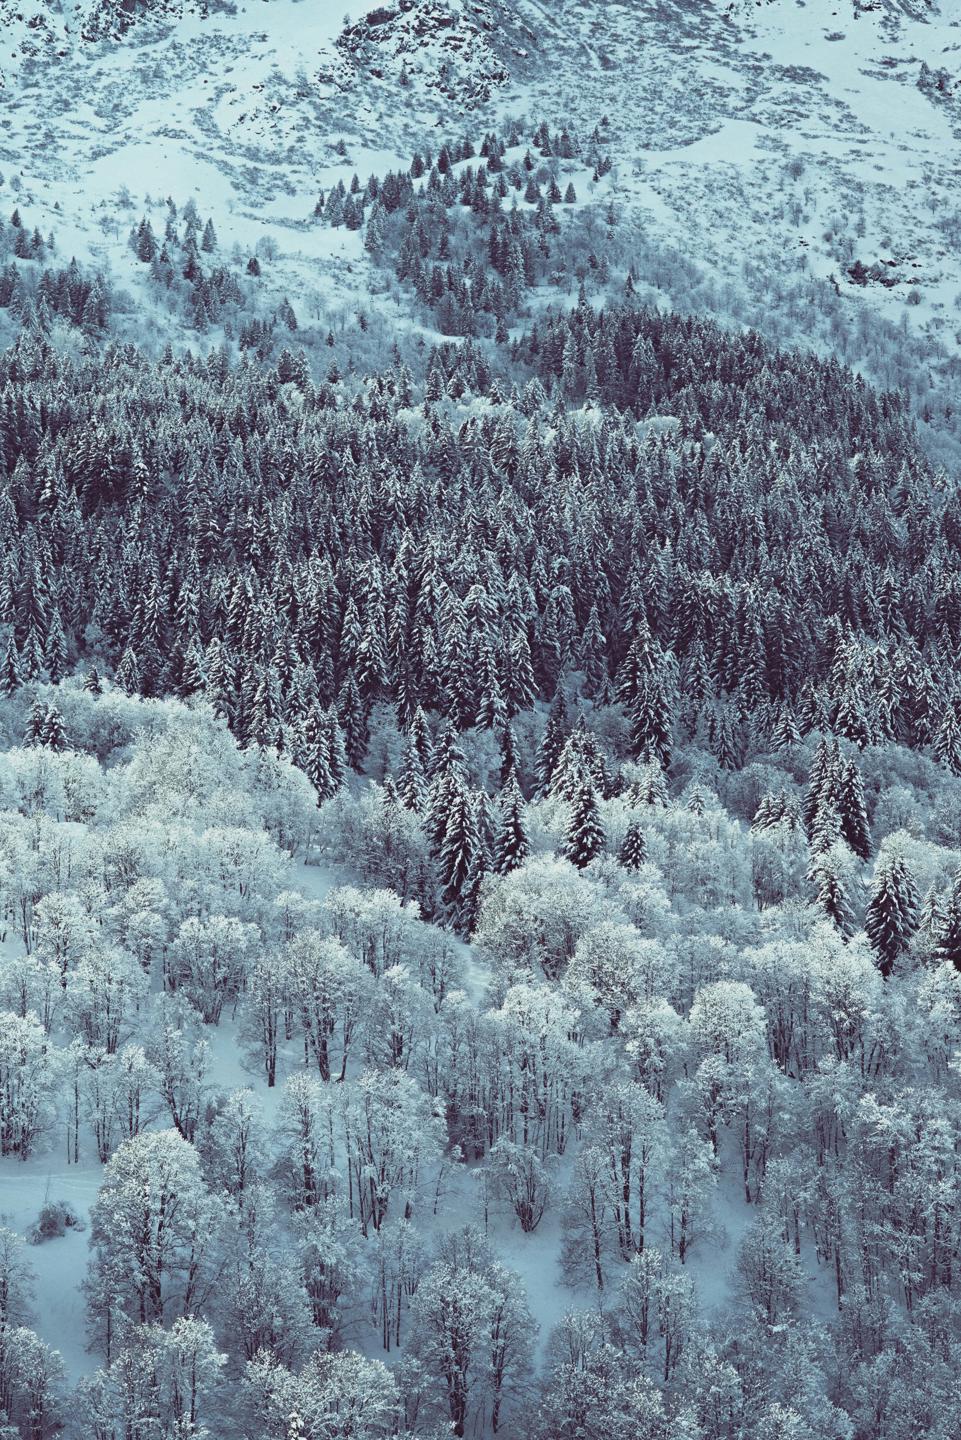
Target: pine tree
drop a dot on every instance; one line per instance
(459, 847)
(352, 714)
(11, 677)
(511, 844)
(633, 851)
(555, 737)
(53, 735)
(584, 836)
(832, 899)
(892, 917)
(36, 723)
(947, 741)
(853, 811)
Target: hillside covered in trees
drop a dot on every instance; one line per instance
(480, 850)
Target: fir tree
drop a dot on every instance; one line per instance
(555, 737)
(948, 940)
(584, 835)
(511, 844)
(459, 846)
(11, 677)
(853, 811)
(892, 917)
(53, 734)
(633, 851)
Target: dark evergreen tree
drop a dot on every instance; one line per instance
(584, 835)
(555, 737)
(947, 946)
(633, 851)
(53, 733)
(459, 846)
(892, 917)
(511, 844)
(852, 810)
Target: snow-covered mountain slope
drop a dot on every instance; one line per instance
(788, 164)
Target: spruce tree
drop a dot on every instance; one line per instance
(633, 851)
(821, 780)
(336, 746)
(947, 741)
(313, 754)
(128, 672)
(948, 940)
(785, 732)
(412, 783)
(421, 738)
(852, 810)
(584, 836)
(458, 848)
(832, 899)
(652, 721)
(891, 917)
(555, 737)
(352, 714)
(36, 723)
(511, 844)
(53, 735)
(11, 677)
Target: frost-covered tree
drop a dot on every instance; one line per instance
(153, 1237)
(892, 913)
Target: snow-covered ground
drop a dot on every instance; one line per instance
(760, 150)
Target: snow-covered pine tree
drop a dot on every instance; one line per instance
(853, 810)
(459, 847)
(633, 851)
(892, 916)
(947, 945)
(511, 843)
(584, 833)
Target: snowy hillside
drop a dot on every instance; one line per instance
(480, 720)
(795, 153)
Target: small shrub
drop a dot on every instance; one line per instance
(56, 1218)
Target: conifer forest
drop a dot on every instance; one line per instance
(480, 723)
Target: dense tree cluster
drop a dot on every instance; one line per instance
(604, 679)
(471, 240)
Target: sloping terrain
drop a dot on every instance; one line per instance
(793, 164)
